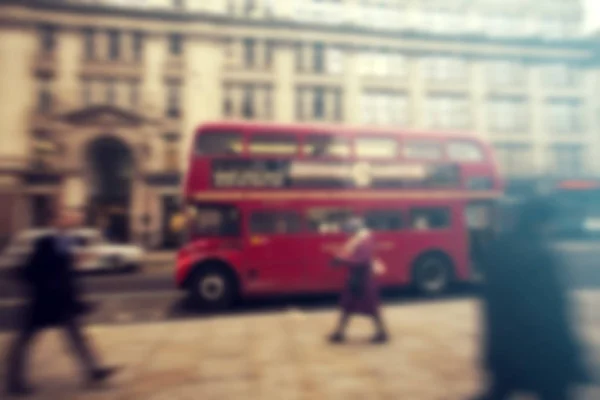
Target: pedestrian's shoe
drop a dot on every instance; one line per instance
(102, 374)
(381, 337)
(19, 390)
(336, 337)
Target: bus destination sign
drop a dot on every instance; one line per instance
(281, 174)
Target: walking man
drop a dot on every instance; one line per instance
(529, 343)
(361, 294)
(54, 301)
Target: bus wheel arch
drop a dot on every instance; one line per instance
(213, 284)
(432, 272)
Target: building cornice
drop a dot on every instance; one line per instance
(194, 22)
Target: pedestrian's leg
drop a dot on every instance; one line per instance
(338, 334)
(80, 346)
(381, 331)
(16, 361)
(94, 372)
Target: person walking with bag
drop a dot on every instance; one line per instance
(54, 301)
(361, 293)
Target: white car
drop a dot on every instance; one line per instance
(97, 254)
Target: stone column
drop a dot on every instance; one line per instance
(416, 94)
(202, 97)
(284, 93)
(478, 99)
(539, 134)
(352, 89)
(153, 94)
(69, 57)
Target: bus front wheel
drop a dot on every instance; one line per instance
(212, 288)
(432, 274)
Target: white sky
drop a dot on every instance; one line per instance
(592, 15)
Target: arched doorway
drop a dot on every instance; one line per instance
(111, 168)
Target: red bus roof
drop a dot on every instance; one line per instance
(336, 129)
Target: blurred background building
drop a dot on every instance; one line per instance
(99, 99)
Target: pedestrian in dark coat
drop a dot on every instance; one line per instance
(529, 343)
(54, 300)
(361, 293)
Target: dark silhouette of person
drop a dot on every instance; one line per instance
(54, 301)
(529, 343)
(361, 293)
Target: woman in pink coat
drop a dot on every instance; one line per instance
(360, 294)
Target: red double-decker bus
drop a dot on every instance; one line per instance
(266, 204)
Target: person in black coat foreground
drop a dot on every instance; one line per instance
(529, 343)
(54, 300)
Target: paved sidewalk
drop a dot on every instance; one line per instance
(280, 356)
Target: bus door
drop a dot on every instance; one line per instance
(325, 238)
(274, 260)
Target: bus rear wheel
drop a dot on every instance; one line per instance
(212, 288)
(432, 274)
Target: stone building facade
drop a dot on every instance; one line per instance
(99, 98)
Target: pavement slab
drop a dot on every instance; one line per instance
(283, 355)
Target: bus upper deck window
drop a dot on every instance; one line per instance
(219, 143)
(376, 147)
(326, 146)
(276, 144)
(422, 150)
(464, 151)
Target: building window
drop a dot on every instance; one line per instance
(567, 160)
(319, 103)
(249, 6)
(299, 49)
(447, 112)
(138, 38)
(249, 52)
(560, 76)
(48, 38)
(318, 57)
(384, 108)
(111, 94)
(175, 44)
(445, 69)
(228, 102)
(134, 94)
(501, 73)
(171, 143)
(508, 115)
(89, 40)
(44, 97)
(380, 64)
(114, 45)
(515, 159)
(337, 104)
(269, 48)
(248, 102)
(86, 91)
(564, 116)
(173, 100)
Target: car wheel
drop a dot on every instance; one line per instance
(432, 275)
(212, 288)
